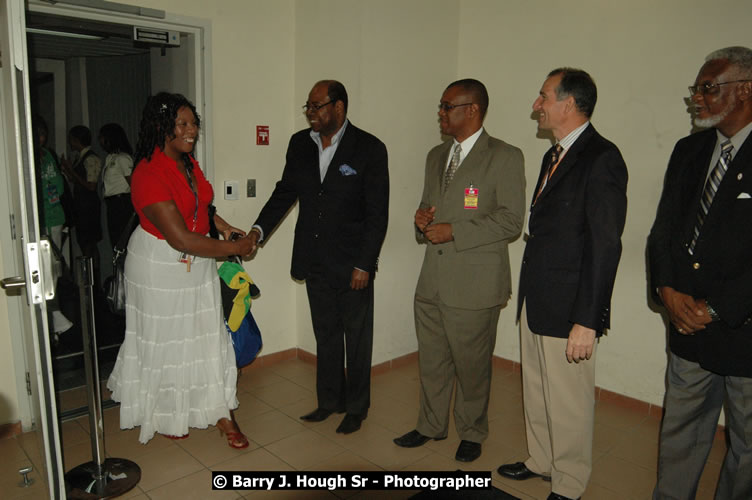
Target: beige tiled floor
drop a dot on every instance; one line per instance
(273, 397)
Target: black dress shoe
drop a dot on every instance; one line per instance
(519, 471)
(317, 415)
(413, 439)
(351, 423)
(467, 451)
(556, 496)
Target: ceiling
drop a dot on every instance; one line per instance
(117, 39)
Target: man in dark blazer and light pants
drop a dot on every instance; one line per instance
(568, 270)
(700, 254)
(338, 174)
(468, 214)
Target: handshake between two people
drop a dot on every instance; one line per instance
(434, 232)
(248, 244)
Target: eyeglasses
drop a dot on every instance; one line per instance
(710, 88)
(314, 107)
(446, 107)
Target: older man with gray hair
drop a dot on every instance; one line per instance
(699, 253)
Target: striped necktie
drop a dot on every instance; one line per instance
(552, 163)
(449, 174)
(711, 188)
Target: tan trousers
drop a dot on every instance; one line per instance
(559, 401)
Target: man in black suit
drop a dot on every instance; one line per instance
(700, 253)
(568, 269)
(339, 175)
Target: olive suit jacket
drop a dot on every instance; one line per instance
(472, 271)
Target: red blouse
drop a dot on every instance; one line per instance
(160, 180)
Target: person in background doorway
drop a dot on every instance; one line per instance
(84, 174)
(51, 189)
(116, 179)
(52, 184)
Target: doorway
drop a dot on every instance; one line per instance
(88, 73)
(72, 89)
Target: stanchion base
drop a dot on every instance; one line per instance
(118, 476)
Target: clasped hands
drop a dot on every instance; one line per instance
(687, 314)
(435, 233)
(358, 279)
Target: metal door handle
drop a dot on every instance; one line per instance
(13, 282)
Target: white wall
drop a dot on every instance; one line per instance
(642, 55)
(395, 58)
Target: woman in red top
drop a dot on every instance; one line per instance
(176, 367)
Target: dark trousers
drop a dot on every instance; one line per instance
(119, 210)
(343, 326)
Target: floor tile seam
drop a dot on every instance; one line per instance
(618, 429)
(644, 469)
(274, 405)
(183, 476)
(146, 492)
(183, 445)
(264, 412)
(616, 449)
(250, 390)
(608, 487)
(264, 446)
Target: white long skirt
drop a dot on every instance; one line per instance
(176, 368)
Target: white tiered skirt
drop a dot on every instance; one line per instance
(176, 367)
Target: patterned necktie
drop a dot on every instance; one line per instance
(711, 187)
(449, 174)
(552, 162)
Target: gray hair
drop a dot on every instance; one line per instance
(739, 57)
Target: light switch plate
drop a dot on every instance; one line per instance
(232, 190)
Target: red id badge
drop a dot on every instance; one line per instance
(471, 198)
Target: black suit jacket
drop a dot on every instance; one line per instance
(574, 243)
(720, 271)
(342, 221)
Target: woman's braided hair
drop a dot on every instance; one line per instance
(158, 125)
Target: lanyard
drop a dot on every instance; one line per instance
(184, 257)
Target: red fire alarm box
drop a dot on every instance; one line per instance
(262, 135)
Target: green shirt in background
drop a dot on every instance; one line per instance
(52, 190)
